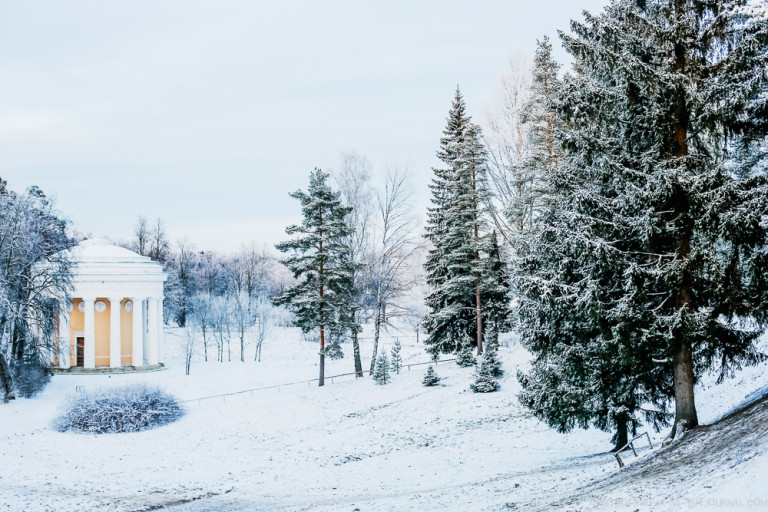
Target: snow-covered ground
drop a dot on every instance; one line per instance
(349, 446)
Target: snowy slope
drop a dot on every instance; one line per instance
(351, 445)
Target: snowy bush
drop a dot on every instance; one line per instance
(30, 376)
(381, 372)
(125, 409)
(430, 378)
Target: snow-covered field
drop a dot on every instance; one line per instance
(349, 446)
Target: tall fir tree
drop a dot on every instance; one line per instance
(318, 257)
(496, 286)
(456, 228)
(645, 262)
(540, 120)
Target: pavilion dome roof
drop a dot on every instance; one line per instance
(99, 257)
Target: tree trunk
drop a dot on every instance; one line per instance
(622, 437)
(478, 309)
(321, 379)
(6, 381)
(242, 347)
(356, 349)
(685, 405)
(376, 329)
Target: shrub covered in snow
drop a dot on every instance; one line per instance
(124, 409)
(430, 378)
(30, 376)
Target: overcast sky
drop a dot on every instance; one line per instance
(207, 114)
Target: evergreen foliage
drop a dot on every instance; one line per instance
(643, 264)
(491, 353)
(396, 361)
(456, 224)
(430, 377)
(320, 261)
(464, 356)
(540, 121)
(485, 380)
(496, 287)
(381, 372)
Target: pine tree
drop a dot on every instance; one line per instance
(431, 378)
(321, 300)
(455, 227)
(491, 354)
(397, 360)
(464, 355)
(540, 121)
(381, 372)
(648, 253)
(485, 381)
(496, 287)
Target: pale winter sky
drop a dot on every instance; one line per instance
(208, 113)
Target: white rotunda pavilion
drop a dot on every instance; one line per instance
(116, 320)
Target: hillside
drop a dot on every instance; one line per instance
(354, 445)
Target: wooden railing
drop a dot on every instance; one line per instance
(631, 444)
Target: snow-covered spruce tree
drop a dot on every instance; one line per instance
(464, 356)
(491, 354)
(496, 287)
(322, 298)
(455, 227)
(381, 372)
(540, 122)
(396, 361)
(430, 377)
(485, 381)
(651, 247)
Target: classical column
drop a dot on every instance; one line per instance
(89, 352)
(160, 330)
(152, 329)
(64, 337)
(115, 348)
(137, 343)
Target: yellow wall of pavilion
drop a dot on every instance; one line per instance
(126, 334)
(102, 334)
(102, 320)
(76, 324)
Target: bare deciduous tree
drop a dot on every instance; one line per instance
(353, 180)
(395, 245)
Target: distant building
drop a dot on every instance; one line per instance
(116, 320)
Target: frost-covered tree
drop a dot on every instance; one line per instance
(430, 377)
(495, 291)
(540, 121)
(485, 380)
(455, 227)
(35, 281)
(381, 372)
(464, 356)
(353, 179)
(643, 269)
(396, 360)
(319, 259)
(391, 269)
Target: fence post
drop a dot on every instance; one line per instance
(649, 440)
(618, 459)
